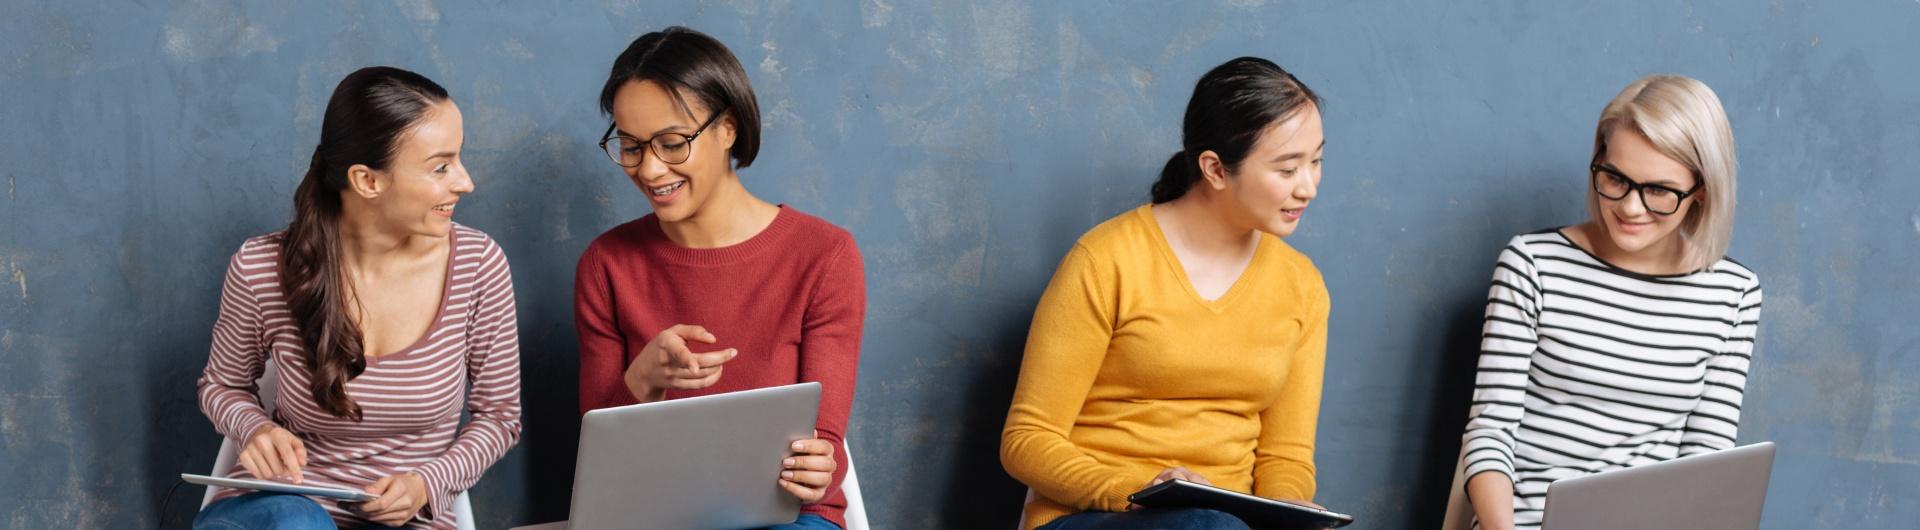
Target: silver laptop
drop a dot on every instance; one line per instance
(708, 462)
(1723, 490)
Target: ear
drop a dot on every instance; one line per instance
(364, 181)
(1212, 170)
(727, 128)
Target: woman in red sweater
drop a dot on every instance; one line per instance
(717, 290)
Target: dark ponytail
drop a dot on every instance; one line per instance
(1231, 105)
(369, 112)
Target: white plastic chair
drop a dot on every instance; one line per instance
(1459, 511)
(856, 514)
(1023, 511)
(856, 508)
(269, 391)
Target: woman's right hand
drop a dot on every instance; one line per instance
(1177, 472)
(273, 453)
(1181, 473)
(667, 363)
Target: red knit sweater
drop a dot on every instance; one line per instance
(792, 300)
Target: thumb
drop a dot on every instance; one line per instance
(379, 487)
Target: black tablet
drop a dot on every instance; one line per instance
(1257, 512)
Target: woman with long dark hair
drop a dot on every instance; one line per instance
(1184, 339)
(377, 311)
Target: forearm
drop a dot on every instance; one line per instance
(1491, 494)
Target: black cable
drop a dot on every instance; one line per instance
(168, 501)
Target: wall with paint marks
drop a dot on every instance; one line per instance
(966, 145)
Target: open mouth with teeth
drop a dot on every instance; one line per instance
(444, 209)
(666, 190)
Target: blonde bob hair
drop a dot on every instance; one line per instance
(1684, 120)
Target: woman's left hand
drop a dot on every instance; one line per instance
(401, 496)
(808, 470)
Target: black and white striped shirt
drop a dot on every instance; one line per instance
(1586, 367)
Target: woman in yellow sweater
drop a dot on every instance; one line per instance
(1183, 339)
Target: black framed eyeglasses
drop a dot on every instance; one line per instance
(1614, 185)
(670, 147)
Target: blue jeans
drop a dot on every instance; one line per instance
(278, 511)
(1149, 519)
(275, 511)
(806, 521)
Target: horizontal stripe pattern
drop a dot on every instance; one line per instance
(1586, 367)
(411, 400)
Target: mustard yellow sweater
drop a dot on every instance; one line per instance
(1129, 372)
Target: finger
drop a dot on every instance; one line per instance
(696, 384)
(288, 460)
(268, 459)
(814, 446)
(300, 449)
(396, 504)
(378, 487)
(714, 359)
(809, 463)
(397, 511)
(682, 372)
(252, 467)
(678, 356)
(811, 479)
(693, 333)
(805, 494)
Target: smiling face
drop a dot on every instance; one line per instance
(1628, 224)
(424, 179)
(1270, 189)
(645, 110)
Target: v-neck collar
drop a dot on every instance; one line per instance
(1165, 249)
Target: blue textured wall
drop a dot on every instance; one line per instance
(966, 144)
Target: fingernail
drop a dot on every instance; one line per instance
(786, 474)
(788, 462)
(796, 446)
(731, 353)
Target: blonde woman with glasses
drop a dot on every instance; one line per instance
(1624, 340)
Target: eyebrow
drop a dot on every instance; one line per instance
(656, 132)
(446, 154)
(1291, 156)
(1668, 183)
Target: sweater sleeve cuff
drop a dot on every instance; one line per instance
(245, 424)
(1122, 486)
(439, 500)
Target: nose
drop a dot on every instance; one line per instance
(1309, 187)
(464, 185)
(651, 167)
(1631, 206)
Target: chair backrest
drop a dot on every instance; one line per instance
(856, 514)
(1459, 511)
(1023, 511)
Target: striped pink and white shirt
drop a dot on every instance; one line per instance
(411, 400)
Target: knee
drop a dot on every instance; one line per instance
(294, 512)
(1205, 519)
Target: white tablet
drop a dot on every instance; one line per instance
(280, 487)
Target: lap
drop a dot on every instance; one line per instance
(807, 521)
(274, 511)
(1149, 518)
